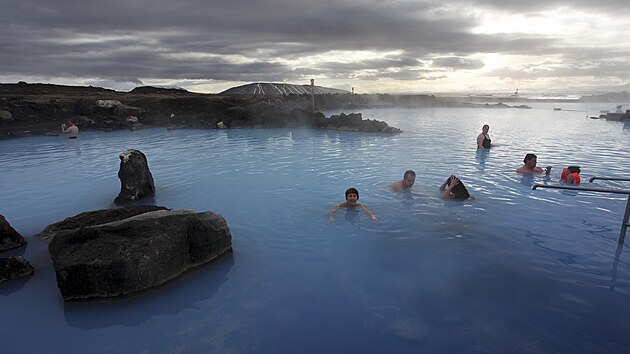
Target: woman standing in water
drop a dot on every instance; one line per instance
(483, 140)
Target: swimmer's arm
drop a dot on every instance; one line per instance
(369, 212)
(443, 186)
(447, 191)
(480, 141)
(331, 215)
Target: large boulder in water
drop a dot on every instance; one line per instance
(131, 255)
(15, 267)
(355, 122)
(9, 238)
(135, 178)
(96, 217)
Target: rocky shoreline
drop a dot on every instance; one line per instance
(40, 109)
(37, 109)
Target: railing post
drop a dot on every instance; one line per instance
(624, 225)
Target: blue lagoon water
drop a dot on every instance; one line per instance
(515, 270)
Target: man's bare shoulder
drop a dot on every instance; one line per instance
(397, 186)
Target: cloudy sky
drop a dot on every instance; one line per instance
(375, 46)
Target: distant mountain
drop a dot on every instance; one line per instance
(31, 89)
(158, 89)
(621, 97)
(264, 88)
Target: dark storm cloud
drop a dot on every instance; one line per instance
(252, 40)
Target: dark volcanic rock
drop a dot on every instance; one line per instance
(9, 238)
(96, 217)
(135, 178)
(355, 122)
(135, 254)
(14, 268)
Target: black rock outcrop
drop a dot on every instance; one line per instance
(9, 237)
(135, 177)
(136, 254)
(14, 268)
(96, 217)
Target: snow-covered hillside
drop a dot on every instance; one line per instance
(263, 88)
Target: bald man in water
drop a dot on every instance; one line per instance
(409, 178)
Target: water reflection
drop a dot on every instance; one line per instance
(75, 145)
(613, 271)
(352, 215)
(481, 156)
(181, 294)
(12, 286)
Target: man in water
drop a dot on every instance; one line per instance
(409, 178)
(529, 166)
(72, 130)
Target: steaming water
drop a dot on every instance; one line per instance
(515, 270)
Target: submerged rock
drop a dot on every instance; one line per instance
(9, 237)
(135, 254)
(14, 268)
(135, 177)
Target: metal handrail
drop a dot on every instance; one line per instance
(624, 224)
(609, 179)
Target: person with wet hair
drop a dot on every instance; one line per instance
(352, 196)
(571, 175)
(454, 188)
(529, 165)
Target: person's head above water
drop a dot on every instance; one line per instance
(574, 169)
(409, 178)
(529, 157)
(352, 190)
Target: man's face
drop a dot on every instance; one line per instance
(409, 181)
(352, 198)
(531, 163)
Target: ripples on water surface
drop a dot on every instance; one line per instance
(515, 270)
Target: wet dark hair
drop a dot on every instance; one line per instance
(409, 172)
(574, 169)
(529, 157)
(352, 190)
(459, 190)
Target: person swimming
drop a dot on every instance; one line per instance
(571, 175)
(352, 196)
(454, 188)
(529, 165)
(404, 185)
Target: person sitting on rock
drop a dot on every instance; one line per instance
(352, 196)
